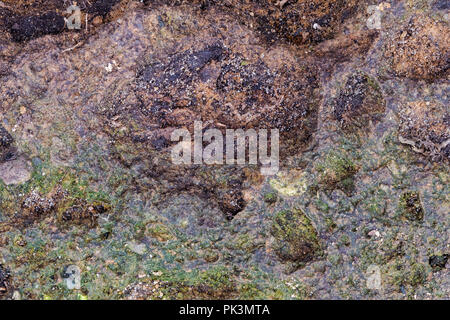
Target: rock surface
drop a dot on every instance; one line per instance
(87, 181)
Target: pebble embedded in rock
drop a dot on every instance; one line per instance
(72, 277)
(16, 171)
(438, 262)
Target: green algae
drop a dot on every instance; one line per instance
(337, 171)
(296, 239)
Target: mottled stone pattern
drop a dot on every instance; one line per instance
(6, 141)
(420, 50)
(359, 102)
(297, 21)
(86, 177)
(425, 125)
(4, 279)
(231, 90)
(296, 238)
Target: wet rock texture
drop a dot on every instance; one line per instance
(231, 90)
(359, 102)
(60, 207)
(6, 141)
(297, 22)
(438, 262)
(420, 50)
(411, 206)
(296, 238)
(86, 176)
(26, 28)
(26, 20)
(425, 125)
(4, 280)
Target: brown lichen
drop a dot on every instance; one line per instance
(425, 126)
(420, 50)
(359, 102)
(6, 145)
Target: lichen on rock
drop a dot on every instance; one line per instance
(425, 125)
(87, 179)
(420, 49)
(296, 239)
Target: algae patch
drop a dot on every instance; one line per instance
(296, 239)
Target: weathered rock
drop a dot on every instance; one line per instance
(35, 7)
(296, 239)
(410, 206)
(6, 148)
(81, 213)
(420, 49)
(15, 171)
(61, 154)
(344, 47)
(37, 205)
(229, 83)
(441, 4)
(359, 102)
(232, 91)
(72, 276)
(47, 17)
(438, 262)
(102, 7)
(336, 171)
(425, 126)
(296, 21)
(59, 206)
(30, 27)
(4, 280)
(95, 110)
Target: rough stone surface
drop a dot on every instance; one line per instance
(425, 125)
(87, 181)
(420, 50)
(15, 171)
(359, 102)
(296, 239)
(6, 147)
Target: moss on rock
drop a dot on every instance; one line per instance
(410, 206)
(296, 239)
(270, 197)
